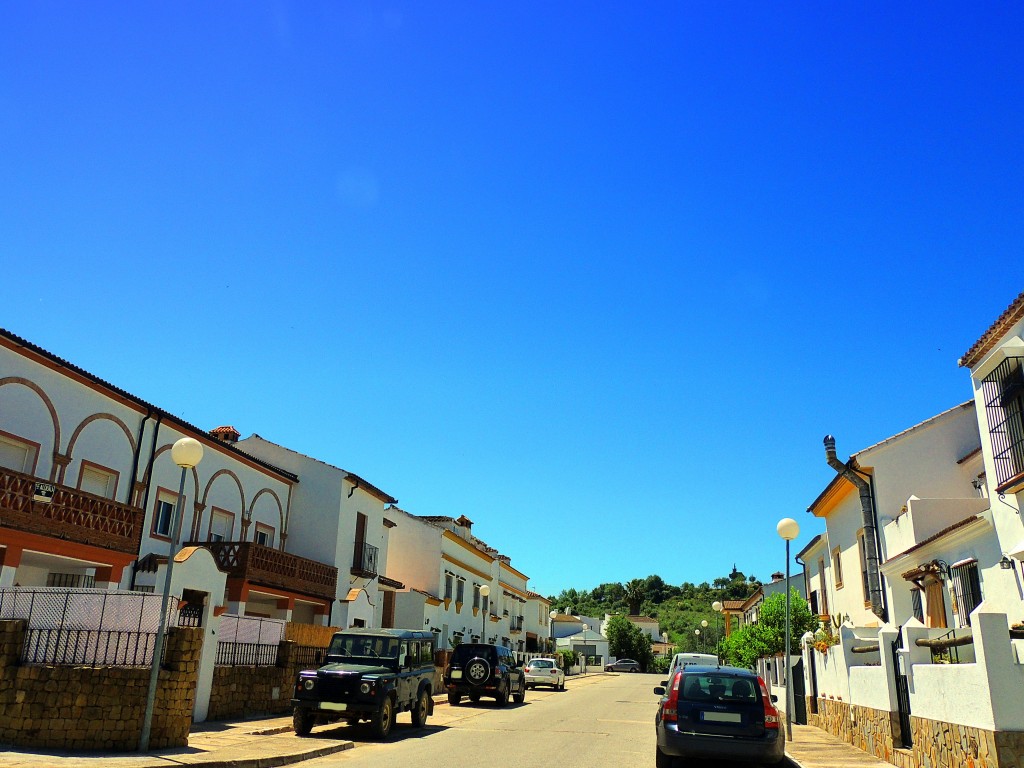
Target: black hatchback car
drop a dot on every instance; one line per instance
(722, 713)
(483, 669)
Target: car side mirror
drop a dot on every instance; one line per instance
(774, 698)
(660, 690)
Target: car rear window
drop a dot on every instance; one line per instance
(717, 687)
(542, 664)
(464, 653)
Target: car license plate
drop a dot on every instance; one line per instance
(721, 717)
(456, 674)
(333, 705)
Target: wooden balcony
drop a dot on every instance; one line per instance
(69, 514)
(260, 565)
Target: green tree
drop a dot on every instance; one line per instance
(635, 593)
(768, 637)
(627, 641)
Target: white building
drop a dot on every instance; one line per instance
(885, 500)
(339, 518)
(90, 491)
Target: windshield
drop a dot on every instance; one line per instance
(364, 647)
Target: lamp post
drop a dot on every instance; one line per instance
(788, 529)
(717, 607)
(551, 629)
(484, 609)
(697, 633)
(704, 627)
(186, 453)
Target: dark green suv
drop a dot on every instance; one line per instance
(482, 669)
(369, 674)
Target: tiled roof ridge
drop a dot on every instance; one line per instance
(1010, 315)
(138, 400)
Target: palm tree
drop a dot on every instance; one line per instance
(636, 591)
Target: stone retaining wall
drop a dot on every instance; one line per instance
(935, 744)
(245, 691)
(84, 708)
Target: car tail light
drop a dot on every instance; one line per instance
(670, 709)
(554, 671)
(771, 713)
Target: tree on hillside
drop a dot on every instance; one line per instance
(627, 641)
(635, 593)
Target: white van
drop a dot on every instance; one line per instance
(681, 660)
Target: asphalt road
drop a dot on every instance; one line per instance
(600, 721)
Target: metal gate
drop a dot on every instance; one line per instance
(902, 695)
(799, 692)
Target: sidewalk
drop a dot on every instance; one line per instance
(814, 748)
(235, 744)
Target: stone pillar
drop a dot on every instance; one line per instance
(12, 638)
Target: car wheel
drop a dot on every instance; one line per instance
(302, 722)
(422, 709)
(661, 760)
(478, 671)
(455, 699)
(502, 697)
(520, 697)
(383, 718)
(560, 686)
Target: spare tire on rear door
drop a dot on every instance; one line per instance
(478, 671)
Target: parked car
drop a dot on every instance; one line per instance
(722, 713)
(622, 665)
(368, 674)
(544, 672)
(483, 669)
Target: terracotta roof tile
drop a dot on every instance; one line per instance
(1013, 313)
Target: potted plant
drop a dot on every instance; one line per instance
(1017, 630)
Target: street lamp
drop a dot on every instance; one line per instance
(788, 529)
(704, 626)
(697, 633)
(186, 453)
(551, 629)
(717, 607)
(484, 609)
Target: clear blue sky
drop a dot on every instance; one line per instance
(598, 277)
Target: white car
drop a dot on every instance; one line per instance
(544, 672)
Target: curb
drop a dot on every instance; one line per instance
(264, 762)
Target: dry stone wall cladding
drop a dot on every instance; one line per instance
(873, 731)
(834, 718)
(83, 708)
(948, 745)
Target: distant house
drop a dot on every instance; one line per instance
(445, 568)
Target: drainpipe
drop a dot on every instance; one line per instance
(135, 459)
(145, 496)
(875, 595)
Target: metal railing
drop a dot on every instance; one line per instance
(246, 655)
(88, 647)
(88, 627)
(364, 558)
(309, 657)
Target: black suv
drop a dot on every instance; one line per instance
(369, 674)
(482, 669)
